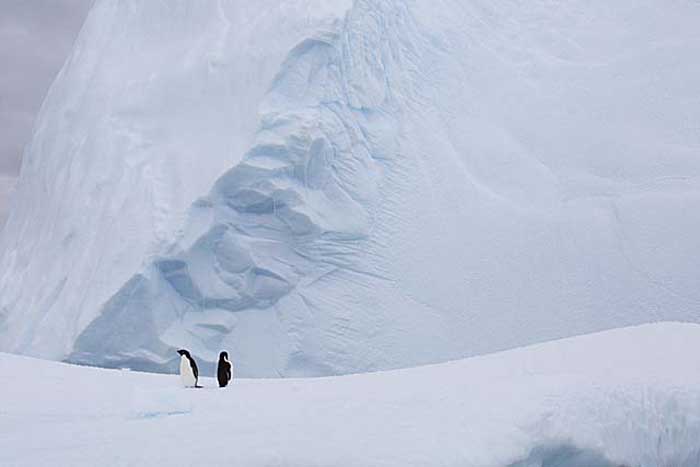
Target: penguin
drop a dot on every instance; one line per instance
(223, 373)
(189, 374)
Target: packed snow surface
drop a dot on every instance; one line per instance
(326, 187)
(624, 397)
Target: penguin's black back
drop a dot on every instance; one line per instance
(223, 373)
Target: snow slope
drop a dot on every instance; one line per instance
(623, 397)
(383, 183)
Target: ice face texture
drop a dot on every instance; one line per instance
(328, 187)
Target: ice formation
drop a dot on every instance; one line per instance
(324, 187)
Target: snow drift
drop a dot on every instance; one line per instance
(627, 397)
(330, 187)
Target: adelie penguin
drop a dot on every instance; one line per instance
(223, 373)
(189, 374)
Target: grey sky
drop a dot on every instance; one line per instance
(35, 39)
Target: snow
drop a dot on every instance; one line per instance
(623, 397)
(328, 187)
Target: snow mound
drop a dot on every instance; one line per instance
(627, 397)
(325, 187)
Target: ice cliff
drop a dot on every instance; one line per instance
(324, 187)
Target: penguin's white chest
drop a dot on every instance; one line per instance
(186, 373)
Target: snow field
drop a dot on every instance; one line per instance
(623, 397)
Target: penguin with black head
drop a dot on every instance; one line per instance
(223, 372)
(189, 373)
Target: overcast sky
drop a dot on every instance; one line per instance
(35, 39)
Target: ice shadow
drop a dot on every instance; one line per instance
(564, 455)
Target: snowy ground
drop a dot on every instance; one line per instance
(623, 397)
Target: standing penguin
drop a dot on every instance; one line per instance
(223, 373)
(189, 374)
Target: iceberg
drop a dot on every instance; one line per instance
(332, 187)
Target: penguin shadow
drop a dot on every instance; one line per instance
(152, 403)
(151, 415)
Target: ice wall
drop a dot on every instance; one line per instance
(156, 101)
(389, 183)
